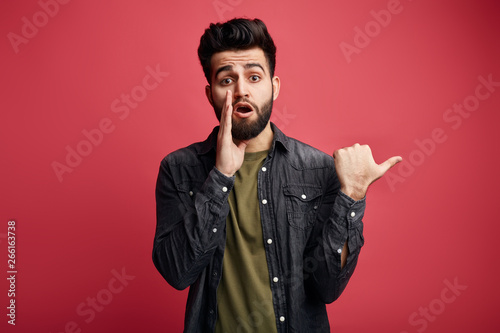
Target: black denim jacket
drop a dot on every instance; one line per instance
(305, 222)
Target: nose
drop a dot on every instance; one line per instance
(240, 89)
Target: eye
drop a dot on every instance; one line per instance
(255, 78)
(226, 81)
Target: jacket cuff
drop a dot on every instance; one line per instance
(349, 212)
(218, 186)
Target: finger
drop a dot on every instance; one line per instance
(225, 121)
(385, 166)
(229, 108)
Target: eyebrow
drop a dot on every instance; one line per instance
(230, 67)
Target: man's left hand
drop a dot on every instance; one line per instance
(357, 169)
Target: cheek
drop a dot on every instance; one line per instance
(219, 97)
(266, 94)
(218, 101)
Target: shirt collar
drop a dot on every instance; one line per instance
(280, 138)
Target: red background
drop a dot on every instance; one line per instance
(435, 221)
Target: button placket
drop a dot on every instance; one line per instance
(276, 287)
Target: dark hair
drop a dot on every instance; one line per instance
(236, 34)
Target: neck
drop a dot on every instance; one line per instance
(261, 142)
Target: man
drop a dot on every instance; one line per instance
(264, 229)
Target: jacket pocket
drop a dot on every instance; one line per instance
(302, 203)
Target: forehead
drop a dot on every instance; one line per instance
(238, 58)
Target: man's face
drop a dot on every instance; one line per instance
(246, 74)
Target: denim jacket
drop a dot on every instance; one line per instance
(305, 219)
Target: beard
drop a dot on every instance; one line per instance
(246, 129)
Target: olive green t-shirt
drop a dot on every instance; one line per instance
(244, 298)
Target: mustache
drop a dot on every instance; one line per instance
(245, 100)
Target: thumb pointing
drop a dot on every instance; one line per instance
(389, 163)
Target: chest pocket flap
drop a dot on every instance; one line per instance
(302, 202)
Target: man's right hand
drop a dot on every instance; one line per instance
(230, 154)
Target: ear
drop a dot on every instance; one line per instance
(276, 87)
(208, 93)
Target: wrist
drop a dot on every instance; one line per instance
(229, 175)
(353, 192)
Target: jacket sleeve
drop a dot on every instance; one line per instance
(189, 227)
(343, 223)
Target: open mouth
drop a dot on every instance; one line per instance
(243, 110)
